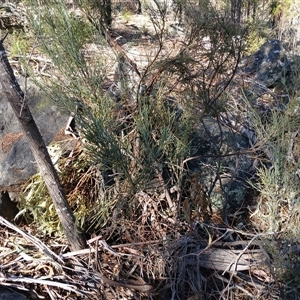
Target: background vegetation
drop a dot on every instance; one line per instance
(130, 178)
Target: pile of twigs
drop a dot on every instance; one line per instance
(50, 271)
(196, 265)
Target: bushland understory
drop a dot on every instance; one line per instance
(181, 167)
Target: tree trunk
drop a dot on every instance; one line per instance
(17, 100)
(236, 11)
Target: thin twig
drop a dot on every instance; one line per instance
(40, 245)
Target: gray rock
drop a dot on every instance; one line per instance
(223, 171)
(268, 64)
(10, 294)
(12, 16)
(17, 163)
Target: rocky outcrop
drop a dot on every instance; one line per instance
(220, 147)
(268, 64)
(17, 163)
(253, 85)
(221, 161)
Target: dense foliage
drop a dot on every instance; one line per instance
(147, 166)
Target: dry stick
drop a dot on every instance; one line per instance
(137, 287)
(15, 96)
(88, 251)
(237, 259)
(65, 286)
(32, 239)
(52, 255)
(143, 287)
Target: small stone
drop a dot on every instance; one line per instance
(10, 294)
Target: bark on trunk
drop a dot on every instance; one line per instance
(16, 98)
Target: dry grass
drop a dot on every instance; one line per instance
(156, 260)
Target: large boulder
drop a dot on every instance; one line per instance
(221, 161)
(268, 64)
(17, 163)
